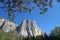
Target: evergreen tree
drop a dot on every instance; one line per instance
(55, 34)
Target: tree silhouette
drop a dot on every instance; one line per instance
(12, 6)
(55, 34)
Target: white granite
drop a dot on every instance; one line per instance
(26, 28)
(30, 28)
(7, 25)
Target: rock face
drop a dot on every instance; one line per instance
(29, 28)
(7, 26)
(26, 28)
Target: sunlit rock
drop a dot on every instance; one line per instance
(7, 26)
(29, 28)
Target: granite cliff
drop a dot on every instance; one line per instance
(7, 26)
(26, 28)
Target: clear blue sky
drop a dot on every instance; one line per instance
(46, 22)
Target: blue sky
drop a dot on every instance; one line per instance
(46, 22)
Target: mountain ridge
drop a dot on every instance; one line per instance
(26, 28)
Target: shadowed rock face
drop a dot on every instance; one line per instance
(26, 28)
(29, 28)
(7, 26)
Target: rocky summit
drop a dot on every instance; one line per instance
(26, 28)
(29, 28)
(7, 26)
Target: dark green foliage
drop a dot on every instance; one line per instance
(2, 35)
(55, 34)
(12, 6)
(58, 0)
(7, 36)
(50, 3)
(46, 37)
(39, 38)
(13, 36)
(56, 31)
